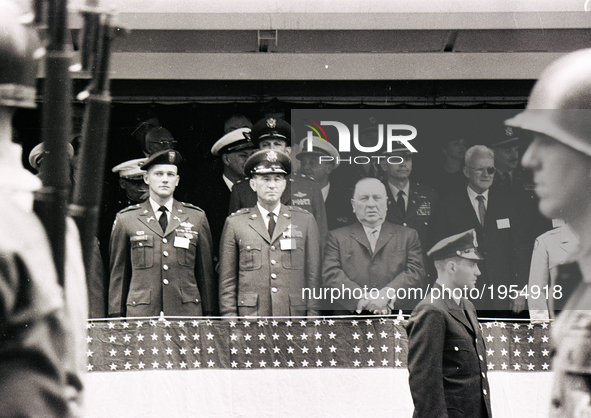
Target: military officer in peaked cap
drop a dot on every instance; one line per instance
(302, 191)
(160, 251)
(131, 180)
(446, 351)
(269, 252)
(233, 149)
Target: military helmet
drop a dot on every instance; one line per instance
(560, 102)
(20, 52)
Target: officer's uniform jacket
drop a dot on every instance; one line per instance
(349, 262)
(419, 208)
(551, 249)
(571, 391)
(152, 271)
(447, 361)
(262, 275)
(299, 191)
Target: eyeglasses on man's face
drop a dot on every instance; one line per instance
(482, 170)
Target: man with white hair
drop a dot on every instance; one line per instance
(492, 214)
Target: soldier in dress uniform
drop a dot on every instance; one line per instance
(320, 164)
(269, 252)
(131, 181)
(42, 323)
(160, 251)
(558, 114)
(409, 203)
(446, 351)
(514, 180)
(233, 149)
(275, 134)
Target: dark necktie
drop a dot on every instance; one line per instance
(401, 204)
(506, 181)
(163, 220)
(481, 208)
(271, 226)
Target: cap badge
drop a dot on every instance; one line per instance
(271, 123)
(509, 131)
(171, 156)
(272, 156)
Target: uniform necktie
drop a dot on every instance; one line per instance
(373, 239)
(163, 220)
(401, 204)
(271, 226)
(481, 208)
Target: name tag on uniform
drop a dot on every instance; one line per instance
(503, 223)
(287, 244)
(181, 242)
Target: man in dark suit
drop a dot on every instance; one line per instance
(446, 351)
(160, 251)
(492, 214)
(275, 134)
(373, 263)
(270, 253)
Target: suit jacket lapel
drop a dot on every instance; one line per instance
(148, 218)
(257, 223)
(177, 216)
(457, 313)
(283, 221)
(358, 234)
(471, 314)
(386, 234)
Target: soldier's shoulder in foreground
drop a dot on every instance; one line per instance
(129, 209)
(241, 212)
(299, 210)
(302, 179)
(191, 206)
(424, 191)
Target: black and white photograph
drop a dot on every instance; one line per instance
(295, 208)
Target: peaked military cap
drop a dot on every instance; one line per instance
(130, 169)
(399, 149)
(267, 162)
(319, 147)
(507, 138)
(168, 156)
(461, 245)
(270, 128)
(235, 140)
(37, 153)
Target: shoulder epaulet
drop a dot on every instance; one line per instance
(241, 180)
(296, 208)
(424, 188)
(189, 205)
(129, 208)
(240, 211)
